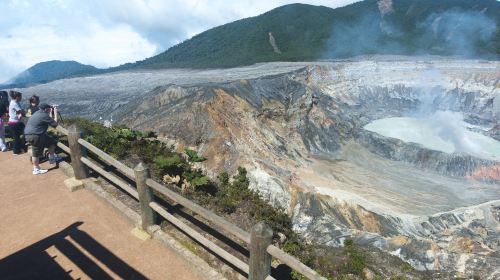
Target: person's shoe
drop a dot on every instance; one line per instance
(4, 149)
(55, 159)
(37, 171)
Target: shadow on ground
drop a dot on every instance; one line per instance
(73, 244)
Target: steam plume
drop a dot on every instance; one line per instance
(452, 32)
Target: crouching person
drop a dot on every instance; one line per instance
(36, 134)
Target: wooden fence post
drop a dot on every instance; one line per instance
(77, 151)
(145, 196)
(260, 260)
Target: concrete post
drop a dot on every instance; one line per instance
(145, 196)
(77, 151)
(260, 260)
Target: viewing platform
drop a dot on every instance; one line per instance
(48, 232)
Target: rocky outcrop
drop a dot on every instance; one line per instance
(490, 173)
(495, 132)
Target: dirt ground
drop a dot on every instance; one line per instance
(47, 232)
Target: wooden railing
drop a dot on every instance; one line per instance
(258, 240)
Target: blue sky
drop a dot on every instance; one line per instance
(107, 33)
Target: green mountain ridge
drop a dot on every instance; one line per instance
(464, 28)
(49, 71)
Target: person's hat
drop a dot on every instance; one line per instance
(44, 106)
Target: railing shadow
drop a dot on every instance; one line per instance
(77, 246)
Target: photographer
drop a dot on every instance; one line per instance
(36, 135)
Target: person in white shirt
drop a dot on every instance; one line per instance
(16, 126)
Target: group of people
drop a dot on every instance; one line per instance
(31, 122)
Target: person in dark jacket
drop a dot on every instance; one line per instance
(33, 107)
(4, 99)
(3, 112)
(36, 135)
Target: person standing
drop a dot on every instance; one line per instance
(33, 105)
(4, 107)
(36, 135)
(4, 99)
(16, 126)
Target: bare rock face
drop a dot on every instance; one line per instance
(496, 107)
(298, 128)
(495, 132)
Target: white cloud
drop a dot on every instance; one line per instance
(100, 47)
(107, 33)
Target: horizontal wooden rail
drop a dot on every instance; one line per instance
(236, 231)
(209, 215)
(127, 171)
(200, 238)
(119, 182)
(294, 263)
(62, 130)
(63, 147)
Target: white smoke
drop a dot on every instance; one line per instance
(458, 31)
(466, 33)
(429, 85)
(452, 128)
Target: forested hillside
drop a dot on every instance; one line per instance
(304, 32)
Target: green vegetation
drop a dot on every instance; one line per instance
(228, 197)
(237, 195)
(193, 156)
(406, 267)
(356, 261)
(122, 142)
(173, 164)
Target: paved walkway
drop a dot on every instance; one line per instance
(47, 232)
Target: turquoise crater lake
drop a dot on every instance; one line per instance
(442, 131)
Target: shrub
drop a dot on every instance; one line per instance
(200, 181)
(356, 260)
(223, 179)
(398, 277)
(120, 141)
(193, 156)
(171, 165)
